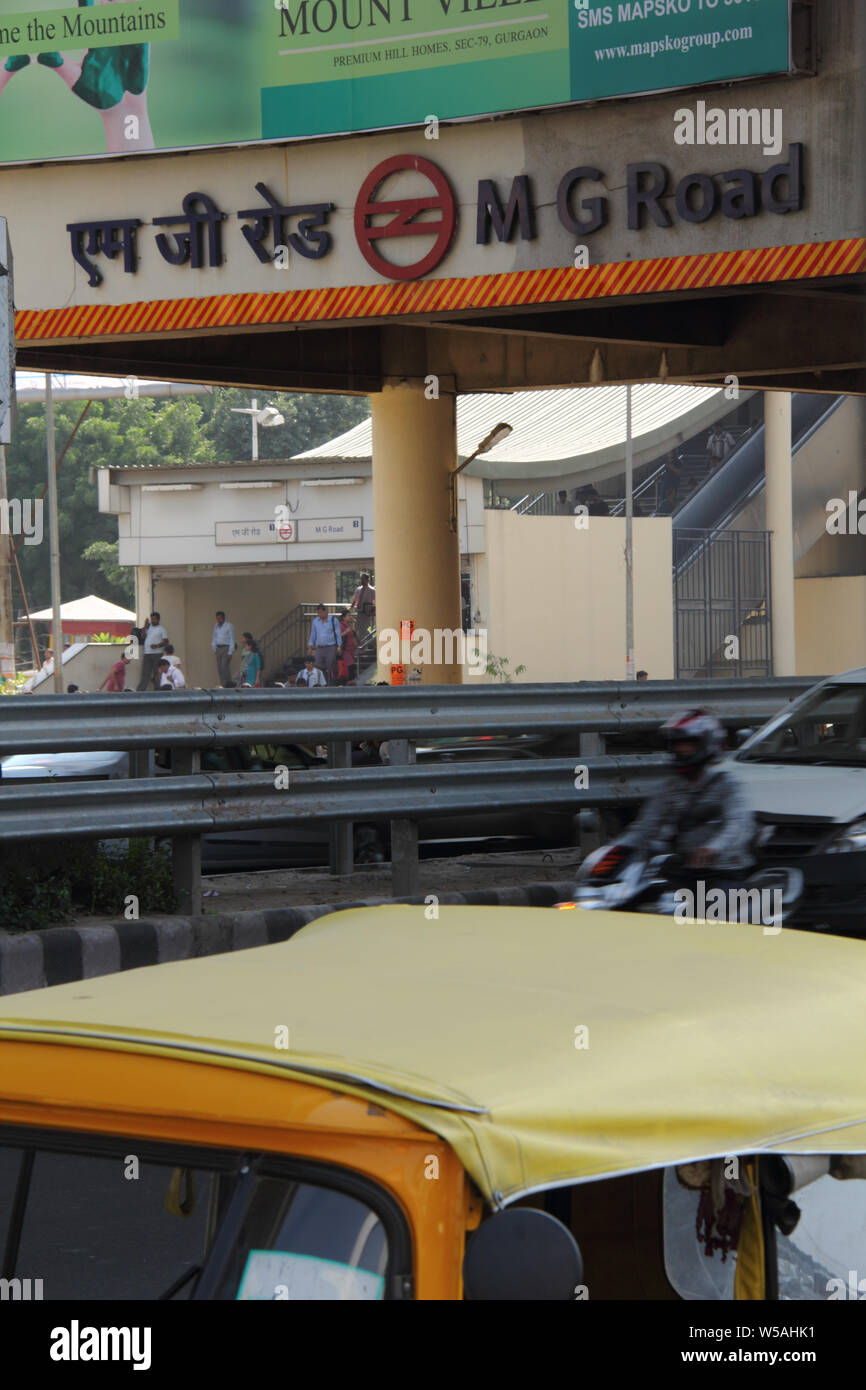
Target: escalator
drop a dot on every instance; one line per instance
(725, 493)
(721, 545)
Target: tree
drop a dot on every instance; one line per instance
(119, 577)
(310, 421)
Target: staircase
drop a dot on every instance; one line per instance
(284, 646)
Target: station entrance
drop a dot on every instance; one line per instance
(576, 247)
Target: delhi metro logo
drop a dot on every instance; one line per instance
(404, 212)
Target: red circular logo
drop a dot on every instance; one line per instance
(404, 211)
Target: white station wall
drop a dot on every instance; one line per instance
(552, 597)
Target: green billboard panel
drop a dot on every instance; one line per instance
(105, 77)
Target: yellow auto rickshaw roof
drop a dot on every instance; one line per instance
(546, 1047)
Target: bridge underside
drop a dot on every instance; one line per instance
(794, 336)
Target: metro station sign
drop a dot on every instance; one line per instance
(195, 235)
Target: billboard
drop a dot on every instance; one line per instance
(114, 77)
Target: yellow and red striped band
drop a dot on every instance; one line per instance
(557, 284)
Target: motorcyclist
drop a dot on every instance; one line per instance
(699, 814)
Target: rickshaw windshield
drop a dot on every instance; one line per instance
(90, 1218)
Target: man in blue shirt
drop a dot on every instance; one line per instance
(325, 641)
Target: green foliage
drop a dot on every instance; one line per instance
(310, 421)
(10, 685)
(48, 882)
(498, 668)
(143, 432)
(119, 578)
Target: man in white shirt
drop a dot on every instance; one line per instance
(170, 677)
(311, 676)
(155, 642)
(223, 644)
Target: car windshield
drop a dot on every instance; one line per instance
(828, 729)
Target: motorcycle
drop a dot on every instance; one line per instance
(622, 880)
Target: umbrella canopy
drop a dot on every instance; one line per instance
(90, 613)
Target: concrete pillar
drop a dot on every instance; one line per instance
(780, 522)
(417, 550)
(143, 591)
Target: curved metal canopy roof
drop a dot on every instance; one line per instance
(557, 435)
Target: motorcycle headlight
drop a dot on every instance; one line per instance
(851, 839)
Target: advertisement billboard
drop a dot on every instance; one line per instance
(114, 77)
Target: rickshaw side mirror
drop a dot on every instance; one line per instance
(522, 1254)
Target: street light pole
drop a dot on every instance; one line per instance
(53, 538)
(7, 612)
(254, 416)
(629, 547)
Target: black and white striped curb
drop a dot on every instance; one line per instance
(60, 955)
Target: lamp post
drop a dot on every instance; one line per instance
(53, 538)
(496, 436)
(629, 544)
(268, 417)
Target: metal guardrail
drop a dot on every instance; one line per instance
(213, 802)
(211, 718)
(189, 803)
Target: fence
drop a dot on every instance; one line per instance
(722, 603)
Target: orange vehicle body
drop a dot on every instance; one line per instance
(171, 1100)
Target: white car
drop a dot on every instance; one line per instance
(804, 774)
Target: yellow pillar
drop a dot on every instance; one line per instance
(417, 551)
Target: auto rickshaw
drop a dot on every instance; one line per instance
(443, 1103)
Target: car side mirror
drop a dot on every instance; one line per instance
(522, 1254)
(740, 736)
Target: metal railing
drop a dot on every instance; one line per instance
(215, 801)
(287, 640)
(208, 718)
(190, 803)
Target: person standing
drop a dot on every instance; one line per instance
(251, 661)
(347, 668)
(311, 676)
(719, 444)
(364, 604)
(116, 678)
(223, 644)
(155, 641)
(325, 641)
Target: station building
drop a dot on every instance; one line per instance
(405, 233)
(542, 578)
